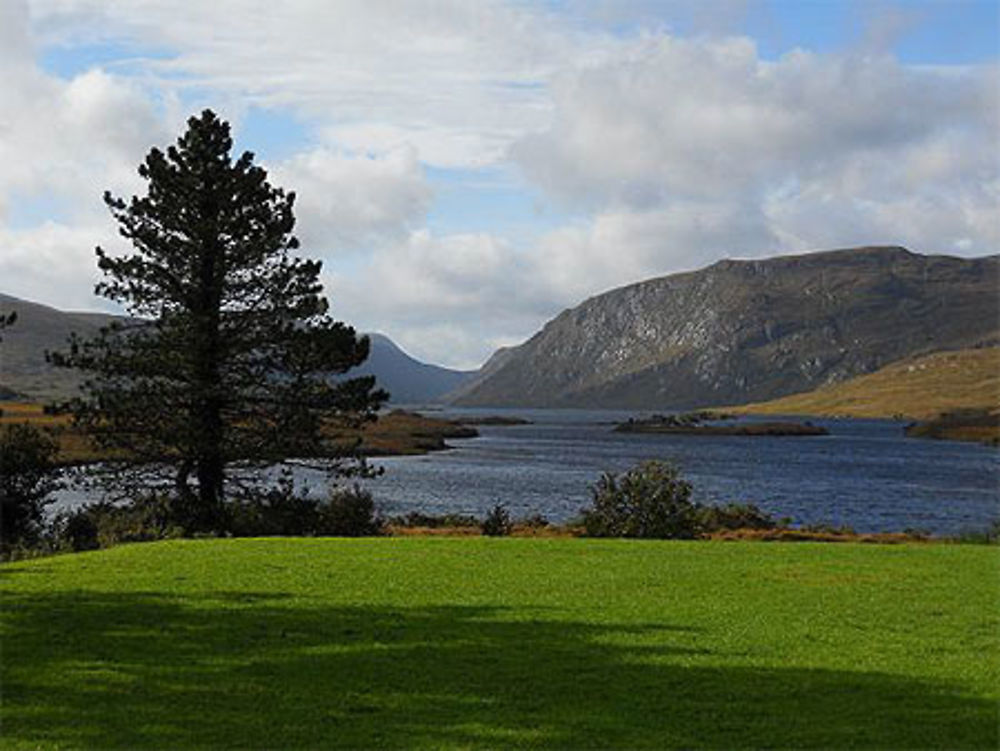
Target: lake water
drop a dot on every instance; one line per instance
(865, 474)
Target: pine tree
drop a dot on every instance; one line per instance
(228, 354)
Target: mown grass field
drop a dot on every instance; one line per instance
(479, 642)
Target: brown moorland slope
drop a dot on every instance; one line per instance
(918, 388)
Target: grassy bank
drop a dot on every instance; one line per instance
(430, 642)
(918, 388)
(394, 433)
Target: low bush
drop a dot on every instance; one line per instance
(828, 528)
(734, 516)
(497, 522)
(535, 521)
(988, 536)
(348, 512)
(433, 521)
(652, 501)
(105, 524)
(28, 477)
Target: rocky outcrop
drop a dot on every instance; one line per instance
(740, 331)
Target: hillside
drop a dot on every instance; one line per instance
(748, 331)
(23, 370)
(918, 388)
(408, 380)
(38, 329)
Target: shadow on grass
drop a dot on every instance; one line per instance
(259, 670)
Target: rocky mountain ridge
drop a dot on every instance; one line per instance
(740, 331)
(24, 371)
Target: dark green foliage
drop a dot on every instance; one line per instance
(734, 516)
(433, 521)
(535, 521)
(103, 525)
(497, 522)
(650, 500)
(229, 353)
(274, 513)
(27, 479)
(279, 512)
(347, 512)
(988, 536)
(76, 531)
(828, 528)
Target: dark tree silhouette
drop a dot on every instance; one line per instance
(27, 480)
(229, 353)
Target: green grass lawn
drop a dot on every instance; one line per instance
(477, 642)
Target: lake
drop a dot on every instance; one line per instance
(865, 474)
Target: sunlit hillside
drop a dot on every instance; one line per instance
(918, 388)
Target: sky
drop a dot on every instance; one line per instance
(467, 169)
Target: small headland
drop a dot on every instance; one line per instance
(396, 433)
(707, 423)
(404, 433)
(497, 420)
(979, 425)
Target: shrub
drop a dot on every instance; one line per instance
(276, 513)
(349, 512)
(734, 516)
(497, 522)
(434, 521)
(650, 500)
(535, 521)
(76, 531)
(104, 524)
(27, 480)
(988, 536)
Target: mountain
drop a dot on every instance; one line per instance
(23, 370)
(407, 380)
(38, 328)
(743, 331)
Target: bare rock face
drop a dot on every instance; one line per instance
(740, 331)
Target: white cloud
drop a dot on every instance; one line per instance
(905, 153)
(54, 263)
(450, 299)
(346, 202)
(457, 80)
(671, 152)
